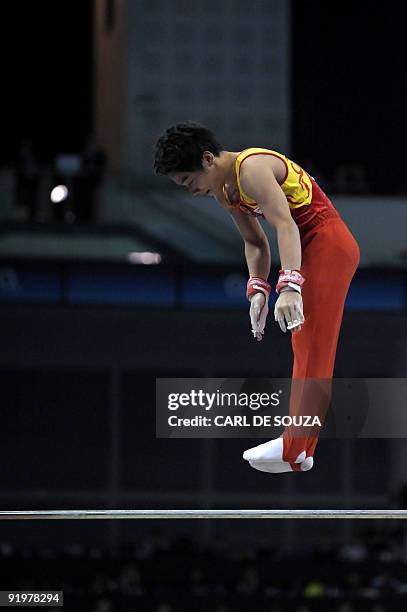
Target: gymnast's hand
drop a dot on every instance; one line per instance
(259, 308)
(288, 311)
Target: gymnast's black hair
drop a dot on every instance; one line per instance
(181, 147)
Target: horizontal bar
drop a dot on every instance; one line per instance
(10, 515)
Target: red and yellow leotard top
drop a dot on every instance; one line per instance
(305, 198)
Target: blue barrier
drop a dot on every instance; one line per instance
(170, 286)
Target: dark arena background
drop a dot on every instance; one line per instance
(111, 277)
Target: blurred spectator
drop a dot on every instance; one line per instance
(250, 581)
(173, 577)
(163, 607)
(98, 584)
(345, 607)
(104, 605)
(67, 167)
(353, 552)
(130, 580)
(27, 182)
(88, 182)
(198, 582)
(314, 588)
(6, 549)
(353, 584)
(80, 177)
(8, 180)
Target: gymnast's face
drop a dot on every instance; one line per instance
(205, 182)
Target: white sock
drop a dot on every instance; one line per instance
(279, 467)
(269, 452)
(273, 467)
(307, 464)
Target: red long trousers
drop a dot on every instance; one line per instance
(330, 257)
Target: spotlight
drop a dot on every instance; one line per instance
(146, 258)
(59, 194)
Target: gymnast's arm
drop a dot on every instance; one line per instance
(259, 182)
(256, 244)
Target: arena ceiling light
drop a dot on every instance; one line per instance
(146, 258)
(59, 193)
